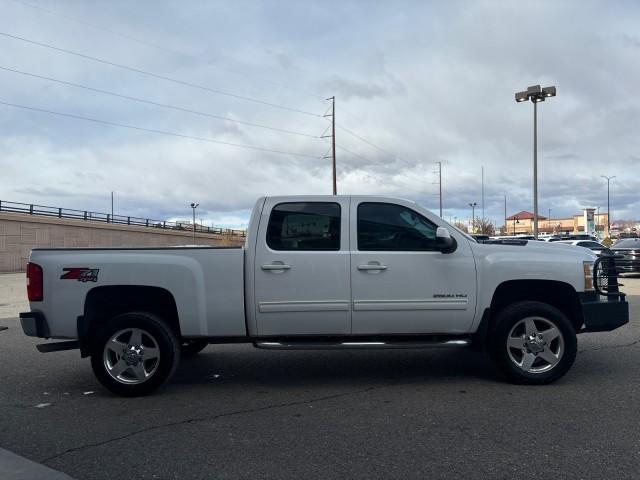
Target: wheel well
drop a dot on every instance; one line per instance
(558, 294)
(103, 303)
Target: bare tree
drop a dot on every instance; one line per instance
(485, 226)
(461, 226)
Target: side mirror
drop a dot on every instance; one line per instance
(444, 241)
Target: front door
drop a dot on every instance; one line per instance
(401, 284)
(301, 267)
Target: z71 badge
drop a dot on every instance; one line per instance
(80, 274)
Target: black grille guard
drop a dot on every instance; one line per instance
(605, 275)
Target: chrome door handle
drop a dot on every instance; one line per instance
(276, 266)
(372, 267)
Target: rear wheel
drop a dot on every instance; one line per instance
(532, 343)
(134, 353)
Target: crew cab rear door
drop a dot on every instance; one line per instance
(401, 283)
(301, 267)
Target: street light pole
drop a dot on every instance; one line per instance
(536, 94)
(505, 215)
(608, 205)
(535, 170)
(440, 185)
(473, 216)
(193, 207)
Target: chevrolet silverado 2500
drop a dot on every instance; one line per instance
(322, 272)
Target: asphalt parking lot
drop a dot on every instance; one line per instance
(237, 412)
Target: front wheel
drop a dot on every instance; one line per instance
(134, 353)
(532, 343)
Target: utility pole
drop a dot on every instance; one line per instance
(333, 141)
(608, 205)
(111, 206)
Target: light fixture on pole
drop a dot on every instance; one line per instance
(515, 220)
(473, 216)
(608, 205)
(536, 94)
(193, 207)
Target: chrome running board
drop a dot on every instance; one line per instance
(358, 345)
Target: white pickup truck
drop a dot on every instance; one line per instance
(322, 272)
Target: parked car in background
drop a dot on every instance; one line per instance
(513, 237)
(630, 249)
(595, 247)
(627, 235)
(576, 236)
(480, 237)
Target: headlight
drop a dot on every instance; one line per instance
(587, 267)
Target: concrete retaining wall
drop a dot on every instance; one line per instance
(20, 233)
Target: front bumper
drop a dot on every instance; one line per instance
(602, 314)
(34, 324)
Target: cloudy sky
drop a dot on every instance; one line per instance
(415, 83)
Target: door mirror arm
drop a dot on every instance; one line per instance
(445, 243)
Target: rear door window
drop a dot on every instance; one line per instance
(304, 226)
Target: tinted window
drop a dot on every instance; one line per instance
(304, 226)
(628, 243)
(384, 226)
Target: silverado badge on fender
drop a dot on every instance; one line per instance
(82, 274)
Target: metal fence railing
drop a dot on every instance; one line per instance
(44, 211)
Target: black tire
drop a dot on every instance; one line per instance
(156, 337)
(510, 327)
(191, 348)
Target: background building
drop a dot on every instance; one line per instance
(521, 223)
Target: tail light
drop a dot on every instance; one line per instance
(34, 282)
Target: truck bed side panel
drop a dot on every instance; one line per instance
(207, 285)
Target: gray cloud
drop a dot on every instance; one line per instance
(423, 81)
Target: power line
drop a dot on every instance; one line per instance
(161, 77)
(97, 27)
(157, 104)
(352, 153)
(362, 139)
(151, 130)
(154, 45)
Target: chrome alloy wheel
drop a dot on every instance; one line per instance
(131, 356)
(535, 345)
